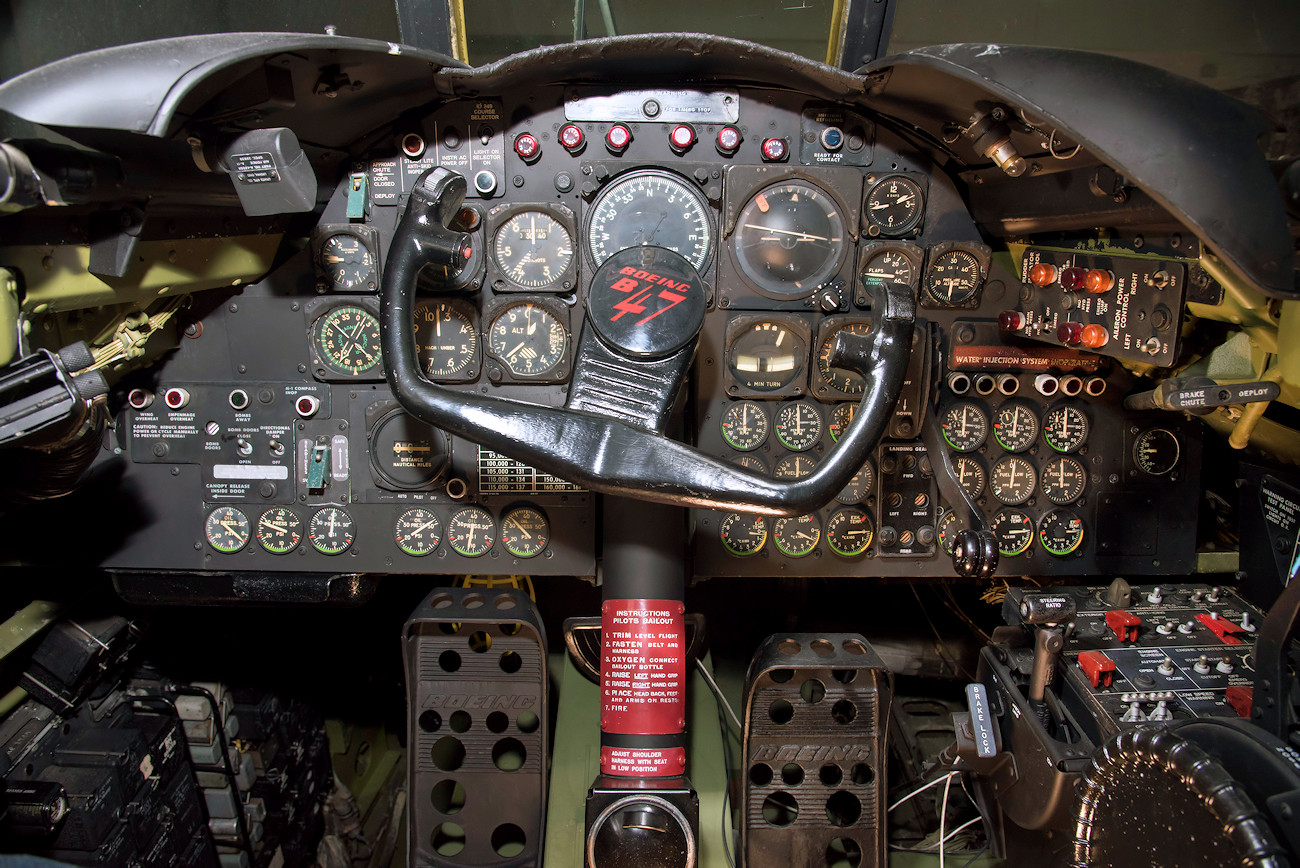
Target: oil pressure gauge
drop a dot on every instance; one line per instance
(471, 531)
(227, 529)
(417, 532)
(525, 532)
(331, 531)
(279, 531)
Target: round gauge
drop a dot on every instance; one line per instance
(279, 530)
(841, 416)
(1060, 532)
(751, 463)
(842, 379)
(949, 526)
(970, 474)
(1015, 426)
(767, 356)
(347, 339)
(1063, 479)
(533, 249)
(407, 453)
(651, 207)
(859, 487)
(525, 532)
(744, 425)
(331, 531)
(796, 537)
(1156, 451)
(894, 205)
(446, 340)
(965, 426)
(798, 426)
(1065, 429)
(227, 529)
(417, 532)
(789, 239)
(528, 339)
(889, 266)
(1014, 530)
(953, 277)
(742, 535)
(849, 532)
(347, 262)
(1013, 480)
(471, 531)
(795, 466)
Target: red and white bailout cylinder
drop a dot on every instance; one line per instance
(643, 688)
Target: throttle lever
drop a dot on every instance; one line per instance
(975, 552)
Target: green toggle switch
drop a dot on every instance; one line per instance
(318, 469)
(358, 196)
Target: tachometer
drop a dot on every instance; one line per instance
(651, 207)
(789, 239)
(744, 425)
(965, 426)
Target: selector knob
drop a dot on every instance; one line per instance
(485, 183)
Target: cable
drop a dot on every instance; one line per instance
(943, 818)
(978, 853)
(717, 693)
(922, 789)
(939, 644)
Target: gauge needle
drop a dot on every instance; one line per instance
(803, 535)
(802, 235)
(273, 525)
(511, 354)
(526, 534)
(421, 529)
(528, 318)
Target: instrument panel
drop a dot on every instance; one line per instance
(789, 209)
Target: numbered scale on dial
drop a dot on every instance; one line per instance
(227, 529)
(471, 531)
(798, 426)
(794, 466)
(797, 537)
(1065, 429)
(742, 535)
(970, 474)
(525, 532)
(417, 532)
(1013, 480)
(279, 530)
(859, 487)
(965, 427)
(849, 532)
(1060, 532)
(1015, 427)
(1063, 479)
(331, 531)
(1014, 530)
(744, 425)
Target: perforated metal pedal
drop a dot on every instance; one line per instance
(476, 686)
(815, 711)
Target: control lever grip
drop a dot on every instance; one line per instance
(1199, 395)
